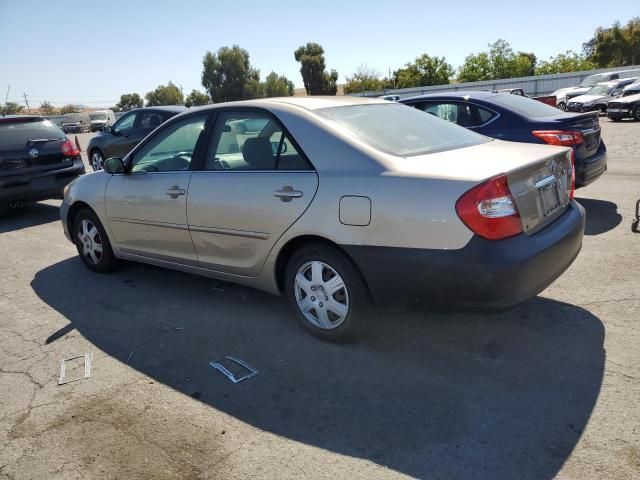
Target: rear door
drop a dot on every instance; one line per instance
(251, 187)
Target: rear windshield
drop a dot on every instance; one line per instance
(400, 130)
(16, 135)
(524, 106)
(599, 90)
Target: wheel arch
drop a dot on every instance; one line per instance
(72, 214)
(295, 244)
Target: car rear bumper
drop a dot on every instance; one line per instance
(588, 170)
(16, 189)
(484, 274)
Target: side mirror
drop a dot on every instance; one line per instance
(106, 129)
(114, 165)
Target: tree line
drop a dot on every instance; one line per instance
(228, 75)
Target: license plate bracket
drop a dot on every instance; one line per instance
(548, 194)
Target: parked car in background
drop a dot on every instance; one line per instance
(548, 99)
(119, 139)
(563, 94)
(76, 123)
(598, 96)
(626, 106)
(37, 160)
(391, 98)
(101, 119)
(368, 200)
(518, 119)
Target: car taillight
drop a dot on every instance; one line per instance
(572, 191)
(570, 138)
(489, 210)
(69, 149)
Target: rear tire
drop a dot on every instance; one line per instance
(92, 242)
(327, 292)
(562, 106)
(636, 114)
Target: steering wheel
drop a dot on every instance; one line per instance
(184, 158)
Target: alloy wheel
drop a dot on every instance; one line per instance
(321, 295)
(90, 241)
(97, 162)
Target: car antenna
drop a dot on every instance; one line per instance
(4, 111)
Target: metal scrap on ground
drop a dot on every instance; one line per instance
(227, 373)
(62, 379)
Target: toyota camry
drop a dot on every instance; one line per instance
(339, 204)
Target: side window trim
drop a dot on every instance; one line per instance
(210, 130)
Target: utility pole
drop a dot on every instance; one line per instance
(4, 112)
(26, 101)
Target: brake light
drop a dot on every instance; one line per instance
(489, 210)
(69, 149)
(570, 138)
(572, 191)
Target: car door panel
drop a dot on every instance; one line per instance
(235, 217)
(147, 215)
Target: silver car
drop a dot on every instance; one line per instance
(336, 203)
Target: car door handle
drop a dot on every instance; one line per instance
(286, 194)
(175, 191)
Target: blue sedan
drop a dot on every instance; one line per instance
(519, 119)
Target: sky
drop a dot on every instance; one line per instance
(92, 52)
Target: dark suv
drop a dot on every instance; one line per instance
(37, 160)
(125, 134)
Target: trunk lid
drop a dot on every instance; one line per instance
(538, 176)
(31, 146)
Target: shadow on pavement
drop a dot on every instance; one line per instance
(428, 395)
(602, 215)
(27, 216)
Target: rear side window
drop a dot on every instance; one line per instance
(400, 130)
(151, 120)
(464, 114)
(526, 107)
(16, 135)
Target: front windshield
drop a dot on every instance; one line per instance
(400, 130)
(591, 80)
(599, 90)
(98, 116)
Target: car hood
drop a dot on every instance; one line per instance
(98, 121)
(588, 98)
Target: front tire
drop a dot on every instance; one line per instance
(636, 113)
(97, 160)
(327, 292)
(92, 242)
(562, 106)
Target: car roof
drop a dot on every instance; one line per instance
(164, 108)
(307, 103)
(465, 94)
(21, 117)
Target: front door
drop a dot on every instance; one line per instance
(147, 208)
(253, 185)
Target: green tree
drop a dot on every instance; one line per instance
(317, 81)
(364, 79)
(46, 108)
(128, 101)
(425, 70)
(11, 108)
(196, 98)
(500, 61)
(615, 46)
(278, 86)
(168, 94)
(68, 109)
(568, 61)
(227, 75)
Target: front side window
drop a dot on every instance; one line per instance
(171, 150)
(125, 123)
(252, 141)
(400, 130)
